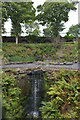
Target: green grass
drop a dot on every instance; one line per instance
(40, 52)
(68, 52)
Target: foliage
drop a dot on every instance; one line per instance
(69, 37)
(11, 105)
(64, 96)
(74, 30)
(18, 12)
(49, 30)
(27, 52)
(32, 28)
(54, 13)
(4, 18)
(68, 52)
(40, 52)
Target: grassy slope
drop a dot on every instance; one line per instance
(68, 52)
(36, 52)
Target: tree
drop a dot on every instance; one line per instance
(74, 30)
(4, 18)
(54, 13)
(18, 12)
(32, 28)
(50, 31)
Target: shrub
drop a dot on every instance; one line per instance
(69, 37)
(64, 97)
(11, 105)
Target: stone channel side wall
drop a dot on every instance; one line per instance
(21, 76)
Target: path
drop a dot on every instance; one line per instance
(42, 65)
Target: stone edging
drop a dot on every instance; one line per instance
(42, 63)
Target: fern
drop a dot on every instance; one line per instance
(12, 108)
(64, 96)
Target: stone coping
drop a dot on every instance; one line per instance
(26, 70)
(42, 63)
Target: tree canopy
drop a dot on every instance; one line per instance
(32, 28)
(18, 12)
(74, 30)
(50, 31)
(54, 13)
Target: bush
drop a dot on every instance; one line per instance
(41, 52)
(69, 38)
(64, 97)
(11, 105)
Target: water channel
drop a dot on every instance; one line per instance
(31, 107)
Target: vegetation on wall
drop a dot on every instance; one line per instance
(11, 94)
(63, 96)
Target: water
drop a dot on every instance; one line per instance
(33, 103)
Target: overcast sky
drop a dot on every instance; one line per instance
(73, 18)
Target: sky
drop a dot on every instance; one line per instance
(73, 19)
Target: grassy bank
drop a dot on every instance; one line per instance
(66, 52)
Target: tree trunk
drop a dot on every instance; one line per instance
(16, 40)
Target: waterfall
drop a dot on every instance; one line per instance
(33, 103)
